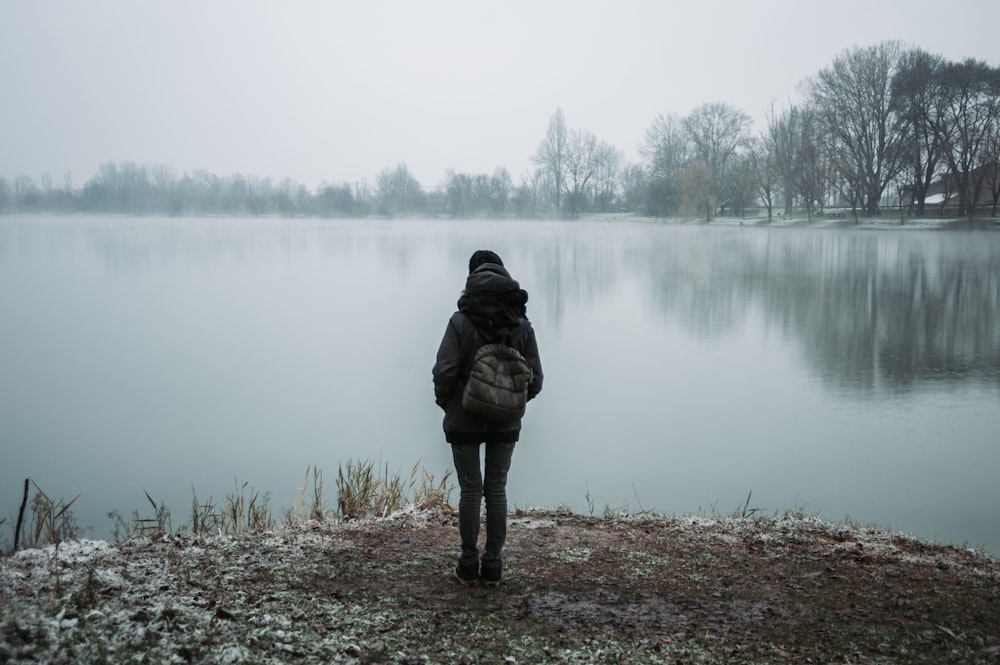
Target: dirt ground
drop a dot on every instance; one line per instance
(576, 589)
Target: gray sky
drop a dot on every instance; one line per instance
(337, 90)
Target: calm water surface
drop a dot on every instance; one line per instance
(851, 374)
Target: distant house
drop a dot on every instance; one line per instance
(943, 199)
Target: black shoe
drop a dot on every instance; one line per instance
(491, 575)
(467, 574)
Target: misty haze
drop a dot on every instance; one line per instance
(262, 279)
(761, 247)
(854, 374)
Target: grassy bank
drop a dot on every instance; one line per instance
(576, 589)
(363, 488)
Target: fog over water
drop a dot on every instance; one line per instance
(847, 373)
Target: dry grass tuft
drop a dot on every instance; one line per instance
(362, 492)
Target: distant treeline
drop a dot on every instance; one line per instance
(884, 125)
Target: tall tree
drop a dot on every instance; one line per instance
(741, 184)
(581, 167)
(666, 151)
(332, 200)
(527, 197)
(666, 147)
(717, 131)
(784, 134)
(864, 132)
(398, 191)
(800, 157)
(812, 175)
(634, 186)
(459, 194)
(552, 153)
(992, 170)
(607, 177)
(499, 192)
(764, 165)
(918, 97)
(25, 193)
(970, 110)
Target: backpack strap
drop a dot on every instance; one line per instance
(505, 335)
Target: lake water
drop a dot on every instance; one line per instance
(853, 374)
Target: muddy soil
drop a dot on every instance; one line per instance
(576, 589)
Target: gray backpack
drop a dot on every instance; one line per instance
(499, 376)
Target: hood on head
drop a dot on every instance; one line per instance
(493, 299)
(490, 278)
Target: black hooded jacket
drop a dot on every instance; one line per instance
(492, 304)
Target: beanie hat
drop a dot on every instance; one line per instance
(481, 256)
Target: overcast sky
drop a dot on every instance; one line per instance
(337, 90)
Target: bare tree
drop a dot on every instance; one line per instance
(25, 192)
(634, 186)
(918, 98)
(763, 162)
(398, 191)
(527, 197)
(459, 194)
(970, 111)
(741, 184)
(667, 151)
(864, 133)
(552, 153)
(333, 200)
(784, 133)
(666, 147)
(992, 170)
(717, 131)
(500, 189)
(468, 195)
(812, 176)
(581, 167)
(800, 157)
(607, 178)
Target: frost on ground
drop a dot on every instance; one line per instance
(577, 590)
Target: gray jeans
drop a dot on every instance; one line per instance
(476, 485)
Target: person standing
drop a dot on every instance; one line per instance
(492, 304)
